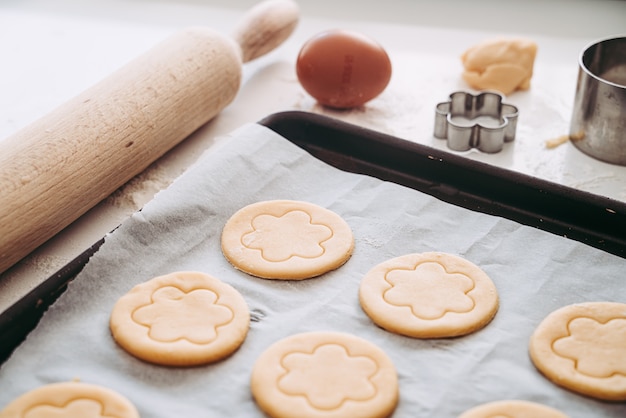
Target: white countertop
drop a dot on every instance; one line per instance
(52, 50)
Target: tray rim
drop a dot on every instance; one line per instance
(608, 213)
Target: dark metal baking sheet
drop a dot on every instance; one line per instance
(592, 219)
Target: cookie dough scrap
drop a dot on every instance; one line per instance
(582, 347)
(512, 409)
(504, 65)
(70, 399)
(286, 239)
(429, 295)
(325, 374)
(181, 319)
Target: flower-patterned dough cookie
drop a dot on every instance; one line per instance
(286, 239)
(181, 319)
(324, 375)
(512, 409)
(582, 347)
(428, 295)
(70, 399)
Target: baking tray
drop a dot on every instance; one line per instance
(594, 220)
(588, 218)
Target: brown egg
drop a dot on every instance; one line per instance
(343, 69)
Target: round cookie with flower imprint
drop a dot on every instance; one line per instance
(181, 319)
(324, 375)
(582, 347)
(286, 239)
(429, 295)
(70, 399)
(512, 409)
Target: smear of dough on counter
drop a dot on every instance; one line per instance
(560, 140)
(505, 65)
(555, 142)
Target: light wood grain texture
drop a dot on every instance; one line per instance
(265, 27)
(57, 168)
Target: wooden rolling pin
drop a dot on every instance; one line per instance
(57, 168)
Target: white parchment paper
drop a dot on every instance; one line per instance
(535, 273)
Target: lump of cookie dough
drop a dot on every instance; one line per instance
(505, 65)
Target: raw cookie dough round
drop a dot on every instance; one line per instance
(70, 399)
(582, 347)
(181, 319)
(286, 239)
(512, 409)
(325, 374)
(428, 295)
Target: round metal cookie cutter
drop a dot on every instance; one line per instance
(480, 121)
(598, 126)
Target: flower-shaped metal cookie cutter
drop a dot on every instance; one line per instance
(479, 121)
